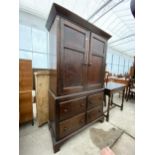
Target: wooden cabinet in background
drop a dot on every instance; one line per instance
(25, 91)
(77, 55)
(41, 89)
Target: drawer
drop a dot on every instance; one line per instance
(72, 107)
(70, 125)
(95, 100)
(94, 113)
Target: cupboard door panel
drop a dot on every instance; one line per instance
(96, 62)
(95, 72)
(73, 69)
(74, 57)
(74, 38)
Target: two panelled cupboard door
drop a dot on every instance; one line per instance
(82, 57)
(96, 62)
(74, 57)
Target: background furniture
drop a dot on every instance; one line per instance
(41, 86)
(106, 77)
(122, 80)
(131, 89)
(78, 49)
(110, 89)
(25, 91)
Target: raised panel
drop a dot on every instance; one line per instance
(95, 72)
(72, 107)
(98, 47)
(74, 50)
(73, 68)
(73, 38)
(96, 63)
(68, 126)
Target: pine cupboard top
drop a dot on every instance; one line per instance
(61, 11)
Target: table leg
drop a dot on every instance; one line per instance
(122, 99)
(112, 95)
(108, 110)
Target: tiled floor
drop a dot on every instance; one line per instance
(37, 141)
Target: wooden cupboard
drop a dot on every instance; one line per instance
(77, 59)
(25, 91)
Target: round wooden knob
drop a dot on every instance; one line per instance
(99, 111)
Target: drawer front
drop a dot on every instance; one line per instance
(94, 113)
(72, 107)
(68, 126)
(95, 100)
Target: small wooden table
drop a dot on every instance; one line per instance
(110, 89)
(115, 79)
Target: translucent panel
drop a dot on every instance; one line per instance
(108, 68)
(39, 60)
(115, 59)
(121, 61)
(39, 40)
(121, 69)
(126, 62)
(25, 40)
(130, 63)
(109, 57)
(114, 17)
(126, 69)
(25, 55)
(52, 63)
(115, 69)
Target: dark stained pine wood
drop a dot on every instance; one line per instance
(74, 47)
(94, 113)
(70, 108)
(76, 91)
(63, 12)
(72, 124)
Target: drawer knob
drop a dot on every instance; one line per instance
(65, 110)
(99, 111)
